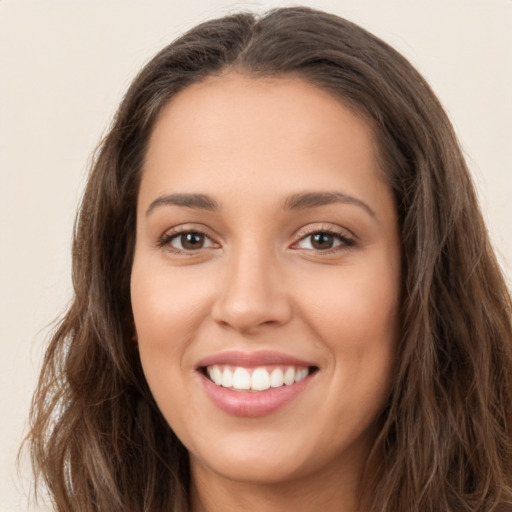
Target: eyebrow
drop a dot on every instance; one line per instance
(303, 201)
(198, 201)
(300, 201)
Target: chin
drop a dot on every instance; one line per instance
(259, 459)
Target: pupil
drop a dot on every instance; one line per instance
(322, 241)
(192, 241)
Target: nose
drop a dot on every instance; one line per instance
(252, 294)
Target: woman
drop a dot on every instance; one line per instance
(285, 296)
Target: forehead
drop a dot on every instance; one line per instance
(291, 104)
(236, 130)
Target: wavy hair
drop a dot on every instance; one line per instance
(97, 439)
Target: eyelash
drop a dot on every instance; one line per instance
(166, 240)
(345, 242)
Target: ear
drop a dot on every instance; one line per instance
(135, 336)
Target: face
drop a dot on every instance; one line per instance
(265, 283)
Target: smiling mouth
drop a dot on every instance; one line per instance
(257, 379)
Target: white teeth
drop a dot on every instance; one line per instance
(301, 374)
(260, 379)
(216, 376)
(289, 376)
(240, 378)
(227, 378)
(277, 378)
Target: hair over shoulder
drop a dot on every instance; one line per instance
(98, 440)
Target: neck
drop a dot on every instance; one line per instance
(325, 491)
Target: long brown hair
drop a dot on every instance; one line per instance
(98, 440)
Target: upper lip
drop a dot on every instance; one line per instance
(251, 359)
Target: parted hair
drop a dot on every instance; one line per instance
(98, 441)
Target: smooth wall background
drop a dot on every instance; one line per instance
(64, 66)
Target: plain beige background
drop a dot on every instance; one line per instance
(64, 66)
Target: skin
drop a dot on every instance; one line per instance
(258, 283)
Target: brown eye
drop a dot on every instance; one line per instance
(187, 241)
(322, 241)
(191, 241)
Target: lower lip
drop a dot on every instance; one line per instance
(251, 404)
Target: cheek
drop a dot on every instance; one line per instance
(354, 309)
(167, 306)
(355, 314)
(168, 310)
